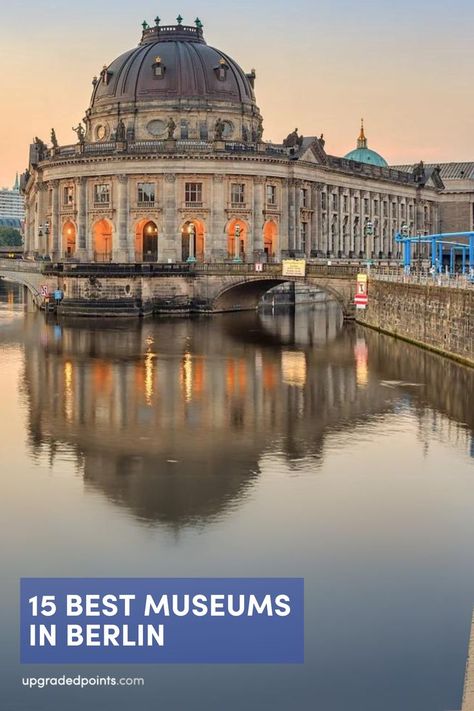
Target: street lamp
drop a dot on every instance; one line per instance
(237, 231)
(44, 229)
(192, 246)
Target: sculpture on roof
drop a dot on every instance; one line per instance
(293, 140)
(81, 133)
(120, 132)
(171, 127)
(54, 140)
(219, 130)
(419, 171)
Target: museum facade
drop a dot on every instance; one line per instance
(170, 165)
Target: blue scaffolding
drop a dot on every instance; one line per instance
(441, 245)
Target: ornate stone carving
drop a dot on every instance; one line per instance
(170, 178)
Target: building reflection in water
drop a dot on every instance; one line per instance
(171, 418)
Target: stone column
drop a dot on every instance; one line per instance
(292, 215)
(258, 218)
(170, 246)
(314, 231)
(81, 198)
(283, 236)
(55, 236)
(40, 241)
(215, 245)
(297, 237)
(122, 249)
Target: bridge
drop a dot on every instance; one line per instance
(139, 289)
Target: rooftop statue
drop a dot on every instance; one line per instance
(81, 133)
(293, 140)
(171, 126)
(120, 132)
(219, 130)
(54, 140)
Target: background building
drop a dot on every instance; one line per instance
(12, 207)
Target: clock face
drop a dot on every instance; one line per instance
(101, 132)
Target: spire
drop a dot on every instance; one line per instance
(362, 141)
(17, 183)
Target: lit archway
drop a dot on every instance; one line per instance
(270, 239)
(146, 241)
(192, 241)
(69, 239)
(237, 232)
(102, 237)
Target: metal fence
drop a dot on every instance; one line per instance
(451, 281)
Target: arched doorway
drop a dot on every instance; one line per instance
(192, 241)
(146, 241)
(237, 240)
(69, 239)
(102, 237)
(270, 239)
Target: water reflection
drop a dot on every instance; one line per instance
(171, 419)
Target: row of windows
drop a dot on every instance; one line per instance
(146, 193)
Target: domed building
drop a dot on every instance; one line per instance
(170, 165)
(363, 154)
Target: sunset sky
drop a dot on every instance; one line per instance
(406, 67)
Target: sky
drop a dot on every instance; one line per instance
(321, 65)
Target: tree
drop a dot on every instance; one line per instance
(10, 237)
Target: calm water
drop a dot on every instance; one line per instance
(246, 445)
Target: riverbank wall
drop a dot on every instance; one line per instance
(435, 317)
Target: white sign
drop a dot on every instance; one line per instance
(294, 267)
(258, 267)
(44, 290)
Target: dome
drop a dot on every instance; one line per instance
(173, 63)
(362, 154)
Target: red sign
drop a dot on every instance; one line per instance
(361, 299)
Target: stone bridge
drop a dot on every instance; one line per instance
(139, 289)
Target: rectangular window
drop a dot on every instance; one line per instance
(334, 201)
(271, 194)
(146, 192)
(304, 197)
(193, 193)
(102, 193)
(410, 212)
(237, 193)
(203, 131)
(68, 195)
(385, 209)
(356, 204)
(366, 206)
(303, 236)
(184, 130)
(376, 207)
(324, 201)
(345, 203)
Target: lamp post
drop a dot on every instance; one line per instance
(192, 236)
(44, 230)
(237, 257)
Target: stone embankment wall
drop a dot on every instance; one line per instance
(438, 318)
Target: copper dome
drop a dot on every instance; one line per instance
(173, 62)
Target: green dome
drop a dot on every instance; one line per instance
(365, 155)
(362, 154)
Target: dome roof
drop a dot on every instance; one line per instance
(362, 154)
(173, 62)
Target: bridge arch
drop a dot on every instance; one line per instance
(244, 293)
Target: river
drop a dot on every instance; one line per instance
(266, 445)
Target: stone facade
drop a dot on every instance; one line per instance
(171, 166)
(437, 317)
